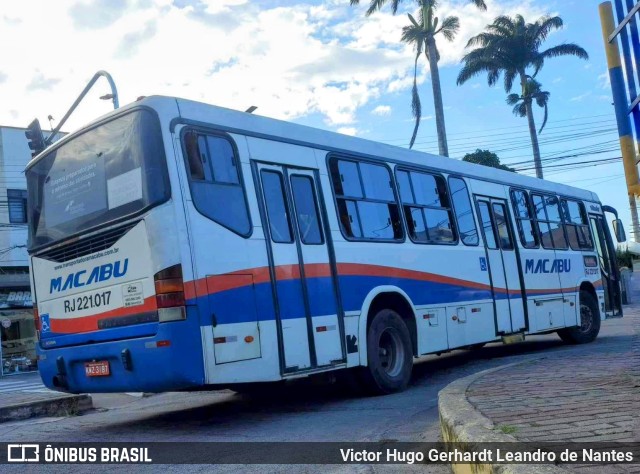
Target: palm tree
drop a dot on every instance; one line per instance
(532, 92)
(422, 34)
(510, 46)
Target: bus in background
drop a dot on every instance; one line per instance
(176, 245)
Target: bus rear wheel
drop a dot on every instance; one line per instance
(389, 354)
(589, 323)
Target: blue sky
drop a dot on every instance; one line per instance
(320, 63)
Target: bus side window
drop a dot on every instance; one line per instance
(426, 205)
(576, 225)
(549, 222)
(196, 168)
(524, 219)
(464, 213)
(214, 180)
(275, 201)
(365, 201)
(487, 225)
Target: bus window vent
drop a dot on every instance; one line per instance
(86, 246)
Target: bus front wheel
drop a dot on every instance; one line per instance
(389, 354)
(589, 322)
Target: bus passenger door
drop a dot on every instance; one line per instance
(608, 266)
(315, 265)
(503, 264)
(309, 330)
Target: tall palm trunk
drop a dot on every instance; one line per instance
(437, 96)
(532, 128)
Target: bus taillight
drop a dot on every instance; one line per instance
(36, 318)
(170, 294)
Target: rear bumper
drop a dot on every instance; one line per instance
(136, 365)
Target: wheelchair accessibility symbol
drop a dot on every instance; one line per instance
(44, 323)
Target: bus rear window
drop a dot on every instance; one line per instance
(111, 171)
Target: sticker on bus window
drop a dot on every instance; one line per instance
(124, 188)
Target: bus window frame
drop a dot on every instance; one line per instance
(547, 221)
(471, 207)
(315, 204)
(236, 157)
(532, 218)
(584, 215)
(379, 162)
(452, 218)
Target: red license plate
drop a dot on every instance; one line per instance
(97, 369)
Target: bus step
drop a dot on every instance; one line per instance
(513, 338)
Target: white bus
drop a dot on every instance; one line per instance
(176, 245)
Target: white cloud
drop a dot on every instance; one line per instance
(348, 131)
(604, 80)
(290, 60)
(382, 110)
(581, 97)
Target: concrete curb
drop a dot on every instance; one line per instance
(58, 406)
(464, 426)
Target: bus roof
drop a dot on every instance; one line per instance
(234, 121)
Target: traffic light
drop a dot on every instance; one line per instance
(35, 137)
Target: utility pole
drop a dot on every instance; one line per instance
(609, 34)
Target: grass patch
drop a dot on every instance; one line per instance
(507, 429)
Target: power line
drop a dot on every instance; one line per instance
(603, 160)
(584, 117)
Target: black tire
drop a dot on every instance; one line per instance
(389, 354)
(589, 322)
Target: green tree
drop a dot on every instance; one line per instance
(532, 92)
(421, 34)
(485, 158)
(511, 46)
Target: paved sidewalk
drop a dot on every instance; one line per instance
(24, 396)
(588, 393)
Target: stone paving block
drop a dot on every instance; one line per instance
(588, 394)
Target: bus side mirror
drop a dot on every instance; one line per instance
(618, 228)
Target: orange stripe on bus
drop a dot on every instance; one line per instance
(90, 323)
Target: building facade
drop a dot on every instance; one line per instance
(17, 328)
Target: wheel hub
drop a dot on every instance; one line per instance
(586, 318)
(390, 352)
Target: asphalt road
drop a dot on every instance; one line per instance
(302, 412)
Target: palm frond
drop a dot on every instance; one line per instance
(544, 119)
(509, 77)
(566, 49)
(474, 68)
(480, 4)
(544, 26)
(493, 77)
(503, 22)
(416, 106)
(520, 110)
(376, 5)
(513, 99)
(484, 39)
(413, 20)
(449, 28)
(412, 35)
(537, 62)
